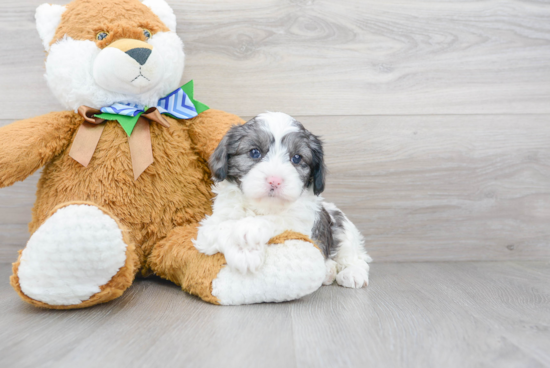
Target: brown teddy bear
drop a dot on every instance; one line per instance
(125, 179)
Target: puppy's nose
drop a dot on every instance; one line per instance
(274, 181)
(140, 54)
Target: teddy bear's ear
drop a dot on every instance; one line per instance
(48, 18)
(163, 11)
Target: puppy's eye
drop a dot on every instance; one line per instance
(296, 159)
(147, 33)
(255, 153)
(101, 35)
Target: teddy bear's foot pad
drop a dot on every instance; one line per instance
(75, 252)
(292, 270)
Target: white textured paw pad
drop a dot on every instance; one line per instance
(77, 250)
(291, 270)
(353, 277)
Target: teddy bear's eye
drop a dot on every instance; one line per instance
(101, 36)
(147, 33)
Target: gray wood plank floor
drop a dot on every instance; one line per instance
(461, 314)
(435, 116)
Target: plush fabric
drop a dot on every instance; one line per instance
(98, 220)
(173, 191)
(29, 144)
(109, 291)
(48, 16)
(91, 252)
(291, 270)
(184, 265)
(208, 278)
(122, 18)
(81, 70)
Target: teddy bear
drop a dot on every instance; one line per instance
(125, 179)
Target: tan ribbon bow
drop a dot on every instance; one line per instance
(141, 150)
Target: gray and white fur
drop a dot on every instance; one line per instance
(269, 174)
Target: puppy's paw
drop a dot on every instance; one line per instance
(245, 259)
(331, 271)
(246, 251)
(353, 277)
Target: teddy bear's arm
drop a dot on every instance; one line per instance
(208, 128)
(29, 144)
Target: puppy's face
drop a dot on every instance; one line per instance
(271, 157)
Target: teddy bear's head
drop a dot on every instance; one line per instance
(101, 52)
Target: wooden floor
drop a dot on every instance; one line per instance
(461, 314)
(435, 116)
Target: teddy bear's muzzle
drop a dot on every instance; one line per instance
(128, 66)
(139, 54)
(136, 49)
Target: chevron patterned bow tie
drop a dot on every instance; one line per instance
(179, 104)
(134, 119)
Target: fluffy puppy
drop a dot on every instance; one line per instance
(269, 174)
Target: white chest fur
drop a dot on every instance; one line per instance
(298, 216)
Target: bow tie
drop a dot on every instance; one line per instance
(134, 119)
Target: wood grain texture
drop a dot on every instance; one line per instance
(419, 188)
(438, 148)
(442, 187)
(462, 314)
(330, 57)
(431, 315)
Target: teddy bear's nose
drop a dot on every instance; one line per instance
(139, 54)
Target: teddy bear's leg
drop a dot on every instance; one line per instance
(80, 256)
(294, 267)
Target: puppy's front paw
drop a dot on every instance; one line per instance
(245, 259)
(248, 246)
(353, 277)
(331, 268)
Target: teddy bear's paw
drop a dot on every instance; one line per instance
(75, 252)
(291, 270)
(355, 276)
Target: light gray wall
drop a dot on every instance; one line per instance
(435, 114)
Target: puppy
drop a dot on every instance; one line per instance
(269, 174)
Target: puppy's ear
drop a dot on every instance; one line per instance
(318, 164)
(219, 159)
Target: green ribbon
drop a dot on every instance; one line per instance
(129, 122)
